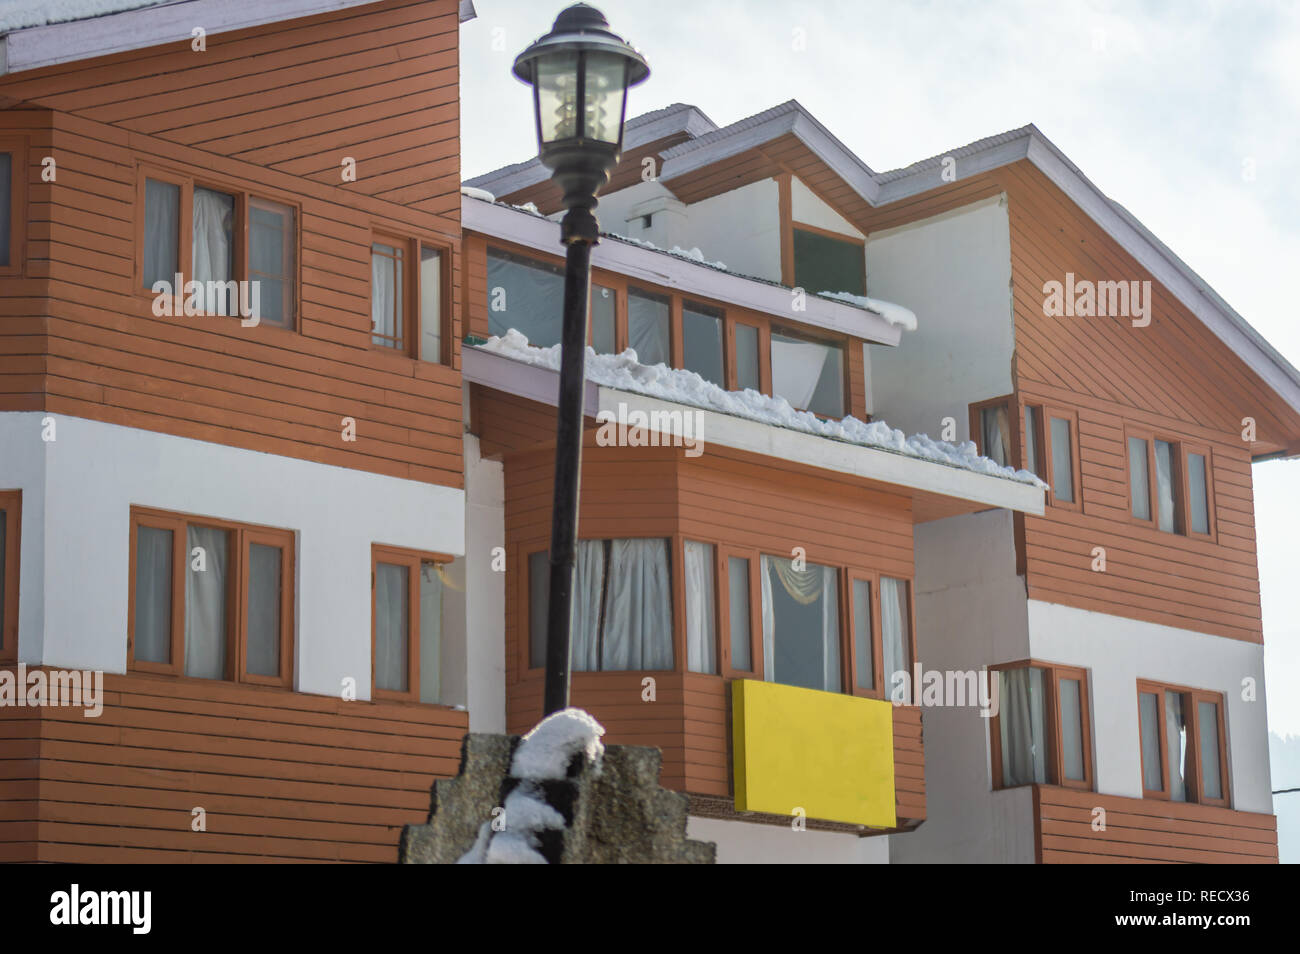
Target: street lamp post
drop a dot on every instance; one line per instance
(580, 73)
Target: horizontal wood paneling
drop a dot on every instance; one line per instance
(1148, 831)
(282, 776)
(272, 111)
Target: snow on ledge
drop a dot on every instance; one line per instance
(624, 372)
(474, 192)
(894, 314)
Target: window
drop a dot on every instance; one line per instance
(621, 616)
(211, 599)
(603, 320)
(866, 662)
(527, 295)
(702, 342)
(826, 262)
(1168, 483)
(747, 357)
(1042, 734)
(406, 649)
(1052, 452)
(648, 321)
(809, 374)
(406, 299)
(742, 656)
(388, 281)
(219, 238)
(11, 509)
(701, 611)
(801, 624)
(13, 205)
(895, 630)
(1183, 744)
(990, 428)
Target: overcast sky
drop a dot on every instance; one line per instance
(1187, 113)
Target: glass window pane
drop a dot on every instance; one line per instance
(6, 204)
(1149, 713)
(207, 597)
(702, 343)
(823, 263)
(430, 304)
(808, 374)
(430, 631)
(701, 655)
(1197, 497)
(1165, 486)
(1062, 461)
(603, 97)
(801, 645)
(271, 259)
(1139, 484)
(863, 651)
(526, 295)
(647, 327)
(213, 221)
(995, 434)
(1022, 726)
(1072, 740)
(1176, 745)
(1033, 463)
(747, 357)
(387, 309)
(162, 228)
(895, 630)
(636, 632)
(738, 588)
(153, 595)
(1207, 721)
(539, 582)
(264, 604)
(392, 618)
(602, 319)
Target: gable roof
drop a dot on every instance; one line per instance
(38, 33)
(684, 164)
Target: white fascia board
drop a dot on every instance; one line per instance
(689, 156)
(681, 274)
(869, 463)
(144, 27)
(522, 380)
(964, 167)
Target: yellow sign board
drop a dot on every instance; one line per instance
(829, 754)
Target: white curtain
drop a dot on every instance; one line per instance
(205, 603)
(214, 219)
(769, 618)
(701, 655)
(638, 607)
(816, 587)
(797, 368)
(895, 621)
(153, 595)
(1165, 486)
(996, 437)
(584, 625)
(1022, 727)
(162, 216)
(1176, 746)
(392, 610)
(1149, 719)
(1138, 485)
(385, 294)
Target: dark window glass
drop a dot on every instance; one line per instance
(526, 295)
(825, 264)
(702, 342)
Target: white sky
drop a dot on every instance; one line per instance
(1187, 113)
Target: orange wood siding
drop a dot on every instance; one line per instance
(1147, 831)
(272, 111)
(282, 776)
(735, 500)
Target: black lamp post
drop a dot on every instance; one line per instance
(580, 73)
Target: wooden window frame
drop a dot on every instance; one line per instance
(880, 689)
(977, 429)
(412, 560)
(187, 181)
(764, 356)
(11, 503)
(1186, 448)
(240, 535)
(710, 311)
(726, 666)
(1192, 779)
(1053, 673)
(843, 342)
(16, 146)
(1181, 483)
(794, 226)
(1043, 443)
(407, 344)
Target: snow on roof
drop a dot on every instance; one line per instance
(21, 14)
(894, 314)
(624, 372)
